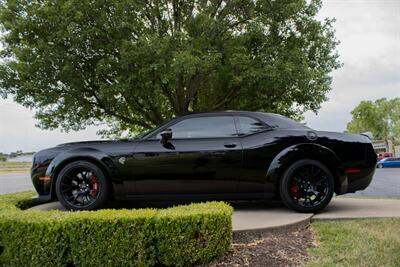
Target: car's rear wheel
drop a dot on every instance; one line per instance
(380, 166)
(307, 186)
(82, 185)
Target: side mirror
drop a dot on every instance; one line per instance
(166, 135)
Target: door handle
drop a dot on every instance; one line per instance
(230, 145)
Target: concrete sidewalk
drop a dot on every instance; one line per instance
(261, 216)
(273, 217)
(353, 208)
(265, 217)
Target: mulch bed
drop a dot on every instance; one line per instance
(285, 248)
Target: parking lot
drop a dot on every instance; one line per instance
(386, 183)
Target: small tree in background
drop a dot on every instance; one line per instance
(381, 117)
(3, 157)
(134, 64)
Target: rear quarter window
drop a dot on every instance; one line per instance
(276, 120)
(247, 125)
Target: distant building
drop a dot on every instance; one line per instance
(380, 146)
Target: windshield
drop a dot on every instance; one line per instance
(146, 132)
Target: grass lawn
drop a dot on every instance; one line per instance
(17, 165)
(364, 242)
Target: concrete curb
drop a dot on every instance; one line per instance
(250, 234)
(294, 225)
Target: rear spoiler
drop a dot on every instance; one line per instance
(368, 134)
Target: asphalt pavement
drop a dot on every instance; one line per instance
(11, 182)
(386, 183)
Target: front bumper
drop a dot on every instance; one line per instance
(43, 198)
(40, 181)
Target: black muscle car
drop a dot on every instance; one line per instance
(203, 156)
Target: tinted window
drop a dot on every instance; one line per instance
(276, 120)
(249, 125)
(219, 126)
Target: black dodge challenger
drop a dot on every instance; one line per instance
(203, 156)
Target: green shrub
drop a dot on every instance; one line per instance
(183, 231)
(177, 236)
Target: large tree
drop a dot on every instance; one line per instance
(380, 117)
(136, 63)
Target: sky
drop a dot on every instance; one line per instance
(369, 32)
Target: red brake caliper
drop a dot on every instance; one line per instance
(95, 186)
(294, 190)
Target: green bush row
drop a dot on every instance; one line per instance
(176, 236)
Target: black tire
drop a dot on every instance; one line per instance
(82, 185)
(297, 184)
(380, 166)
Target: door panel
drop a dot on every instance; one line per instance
(203, 157)
(188, 166)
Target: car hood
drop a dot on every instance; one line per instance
(50, 153)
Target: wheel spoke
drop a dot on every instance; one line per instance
(75, 198)
(318, 171)
(67, 190)
(320, 181)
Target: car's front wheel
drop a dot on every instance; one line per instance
(380, 166)
(307, 186)
(82, 185)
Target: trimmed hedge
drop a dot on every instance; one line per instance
(176, 236)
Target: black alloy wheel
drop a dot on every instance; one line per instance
(82, 185)
(307, 186)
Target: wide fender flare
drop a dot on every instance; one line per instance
(91, 154)
(306, 151)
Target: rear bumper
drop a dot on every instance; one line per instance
(360, 183)
(352, 182)
(359, 172)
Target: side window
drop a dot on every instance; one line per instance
(249, 125)
(201, 127)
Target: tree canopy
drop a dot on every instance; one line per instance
(380, 117)
(134, 64)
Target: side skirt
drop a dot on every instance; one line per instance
(170, 197)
